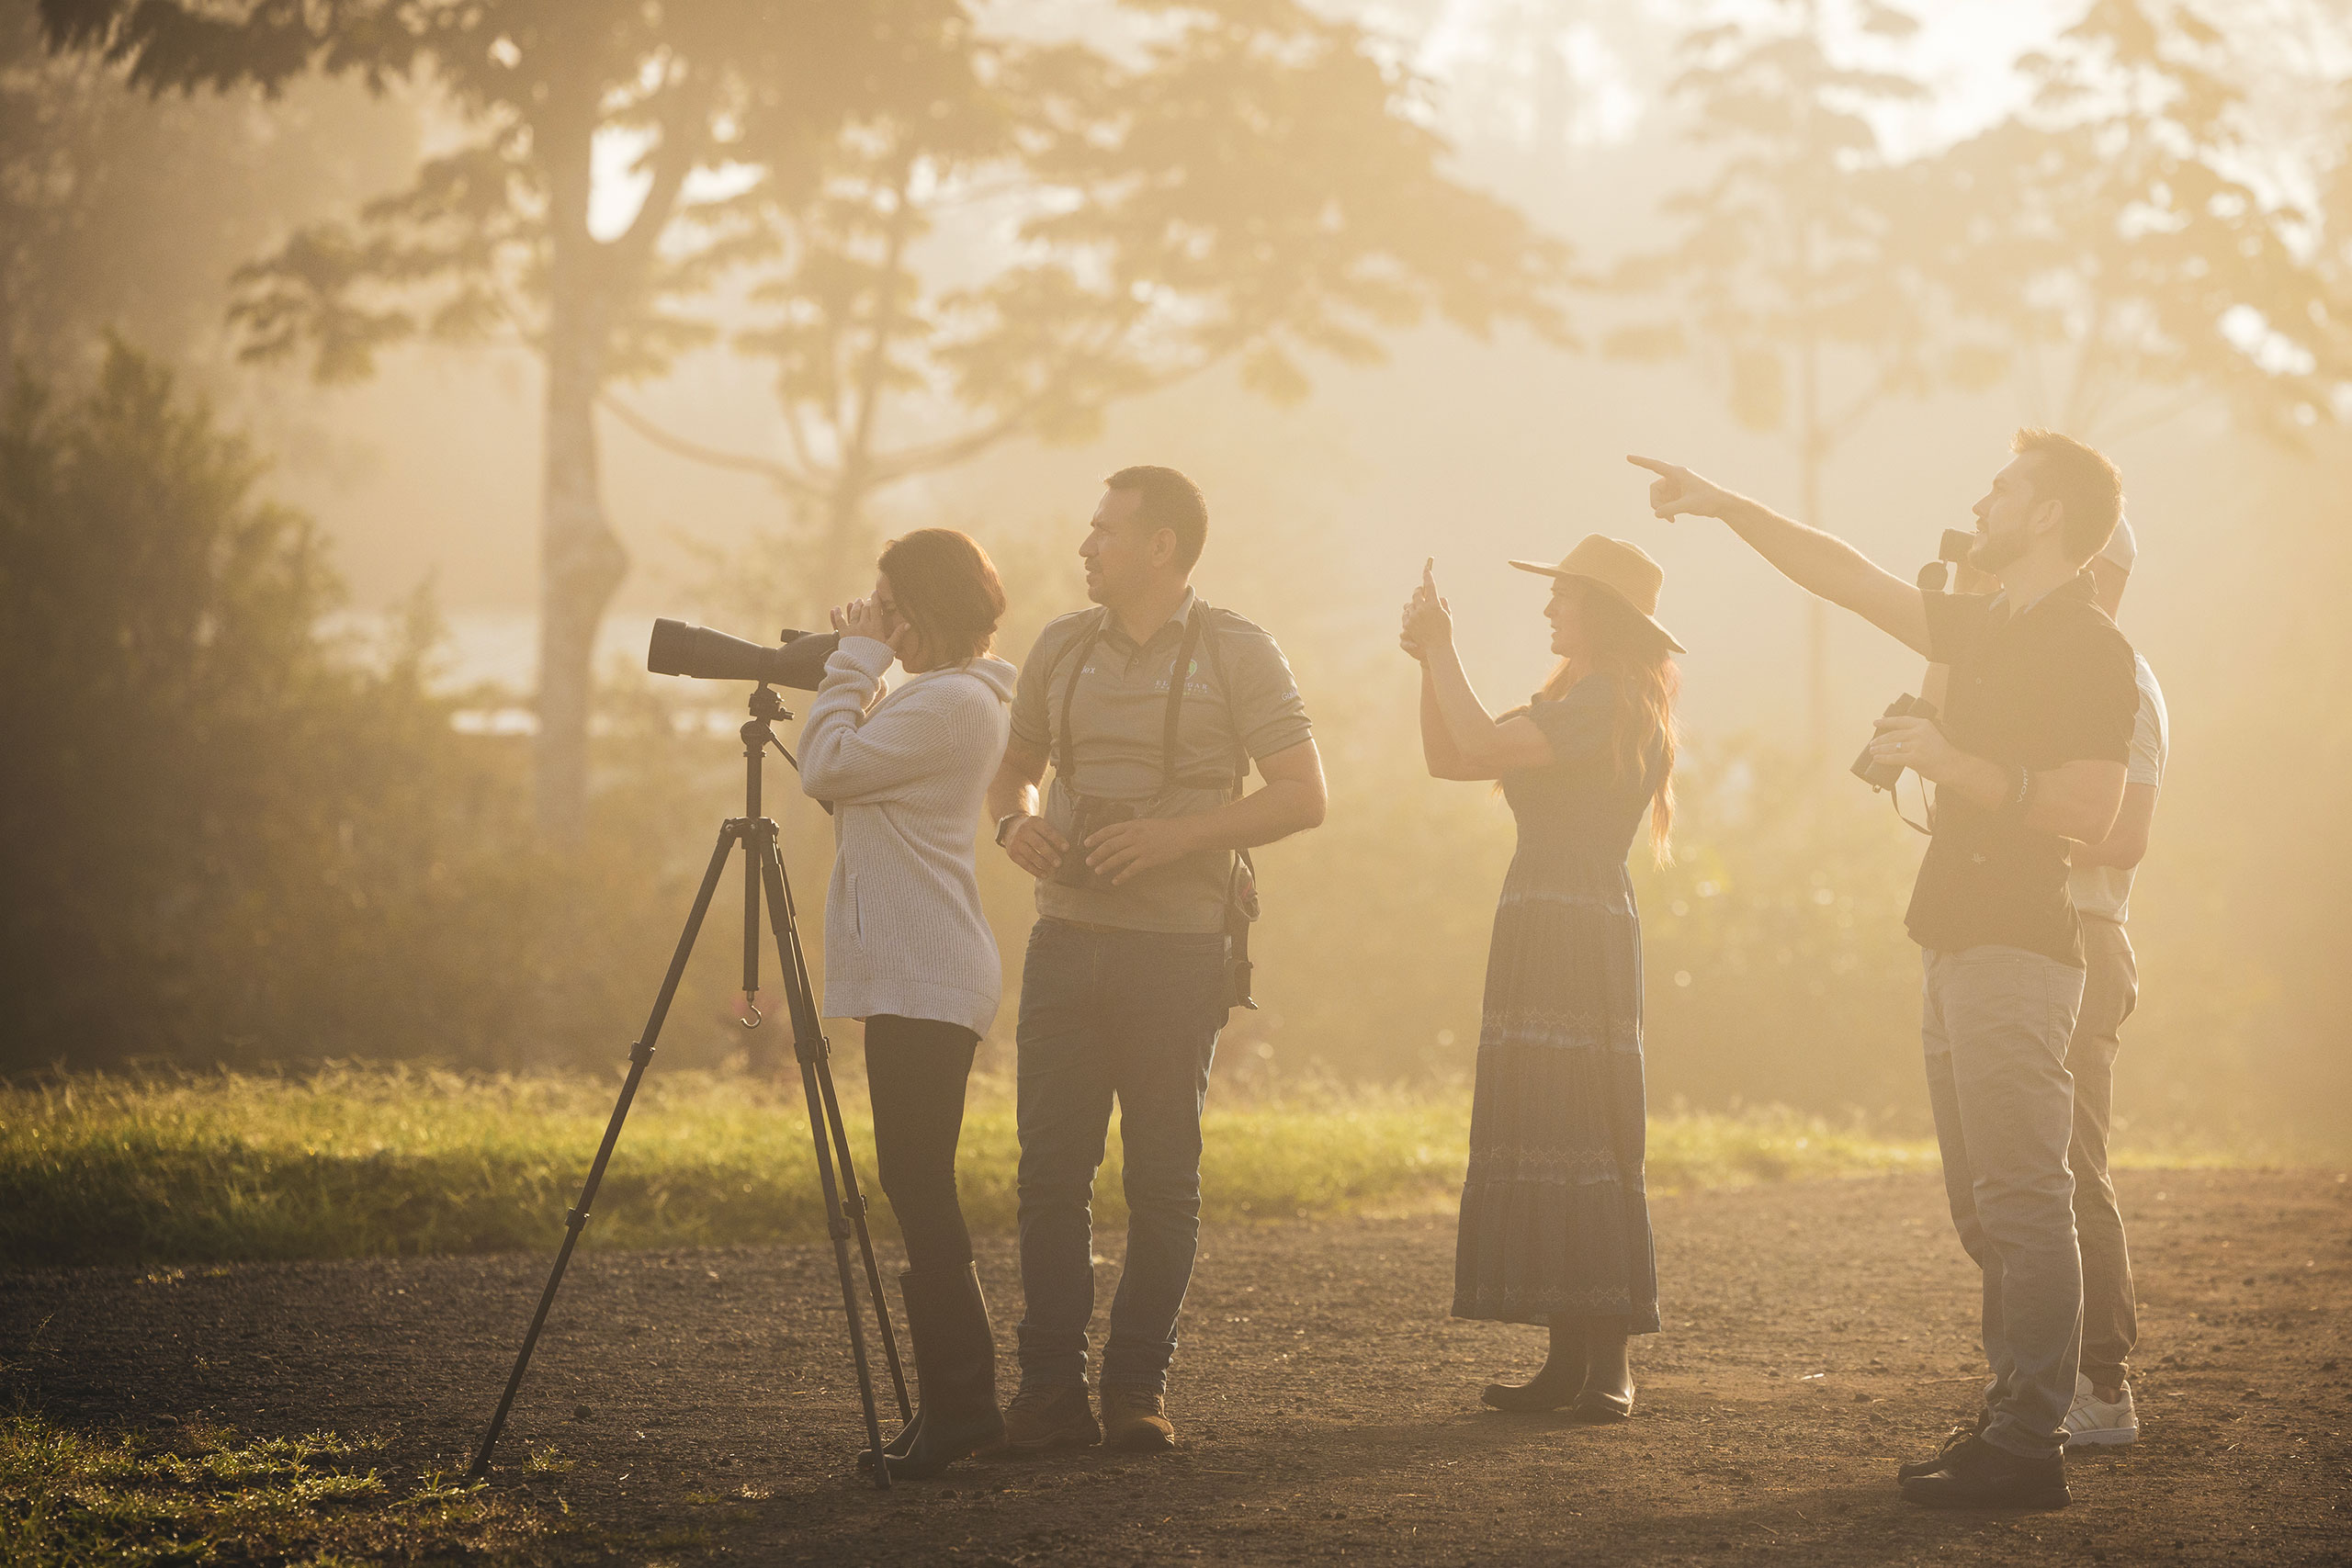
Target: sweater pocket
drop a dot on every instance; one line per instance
(857, 910)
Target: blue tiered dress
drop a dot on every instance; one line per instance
(1554, 1216)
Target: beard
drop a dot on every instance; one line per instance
(1994, 551)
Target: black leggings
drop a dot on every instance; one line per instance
(915, 1072)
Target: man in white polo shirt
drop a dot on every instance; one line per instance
(2100, 886)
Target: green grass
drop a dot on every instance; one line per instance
(198, 1495)
(351, 1161)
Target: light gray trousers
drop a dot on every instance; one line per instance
(1996, 1022)
(2110, 1310)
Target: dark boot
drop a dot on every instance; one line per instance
(1555, 1385)
(1608, 1391)
(897, 1447)
(955, 1372)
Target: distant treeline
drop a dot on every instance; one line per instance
(223, 835)
(228, 837)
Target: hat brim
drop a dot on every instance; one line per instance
(1542, 569)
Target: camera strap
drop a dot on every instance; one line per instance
(1066, 747)
(1241, 881)
(1927, 807)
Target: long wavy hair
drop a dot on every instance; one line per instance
(1620, 644)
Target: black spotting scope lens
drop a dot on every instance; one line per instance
(702, 654)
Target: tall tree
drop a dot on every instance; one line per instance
(1791, 267)
(2117, 233)
(1070, 224)
(1239, 177)
(496, 237)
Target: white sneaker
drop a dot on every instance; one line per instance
(2093, 1422)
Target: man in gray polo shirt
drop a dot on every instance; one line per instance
(1151, 708)
(2101, 884)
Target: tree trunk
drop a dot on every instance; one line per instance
(581, 561)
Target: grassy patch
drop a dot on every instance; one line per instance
(199, 1495)
(349, 1161)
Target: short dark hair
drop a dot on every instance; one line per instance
(946, 588)
(1171, 502)
(2082, 480)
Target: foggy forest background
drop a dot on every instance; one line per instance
(327, 320)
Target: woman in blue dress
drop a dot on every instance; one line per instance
(1556, 1225)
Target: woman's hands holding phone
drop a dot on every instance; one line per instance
(1427, 620)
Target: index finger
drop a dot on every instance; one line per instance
(1429, 572)
(1656, 465)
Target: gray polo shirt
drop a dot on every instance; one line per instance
(1118, 717)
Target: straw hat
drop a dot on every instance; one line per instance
(1617, 565)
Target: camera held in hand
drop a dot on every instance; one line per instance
(1936, 576)
(1089, 816)
(1886, 775)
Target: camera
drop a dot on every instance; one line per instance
(1936, 575)
(1089, 816)
(1886, 775)
(701, 654)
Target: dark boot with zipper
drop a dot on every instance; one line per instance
(955, 1374)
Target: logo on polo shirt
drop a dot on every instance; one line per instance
(1194, 685)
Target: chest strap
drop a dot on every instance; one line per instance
(1066, 748)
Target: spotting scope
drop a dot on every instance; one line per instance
(702, 654)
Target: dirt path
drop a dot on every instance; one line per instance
(1814, 1335)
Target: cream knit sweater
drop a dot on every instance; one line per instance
(904, 933)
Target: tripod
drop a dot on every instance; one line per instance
(845, 1204)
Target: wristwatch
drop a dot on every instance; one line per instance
(1004, 824)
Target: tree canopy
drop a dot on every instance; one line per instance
(1207, 180)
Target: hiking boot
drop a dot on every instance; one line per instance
(1953, 1440)
(1135, 1420)
(2092, 1422)
(1042, 1418)
(1977, 1475)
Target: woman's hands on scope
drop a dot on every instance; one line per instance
(871, 618)
(1427, 620)
(863, 617)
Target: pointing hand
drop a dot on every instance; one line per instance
(1677, 491)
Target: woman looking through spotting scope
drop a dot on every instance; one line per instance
(907, 948)
(1555, 1226)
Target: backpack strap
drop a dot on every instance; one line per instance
(1225, 690)
(1176, 674)
(1241, 884)
(1065, 748)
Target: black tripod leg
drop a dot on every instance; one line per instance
(577, 1218)
(855, 1203)
(795, 971)
(823, 1130)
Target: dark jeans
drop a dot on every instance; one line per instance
(1131, 1016)
(915, 1072)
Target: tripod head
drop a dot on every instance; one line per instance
(767, 706)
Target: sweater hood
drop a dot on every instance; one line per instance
(999, 675)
